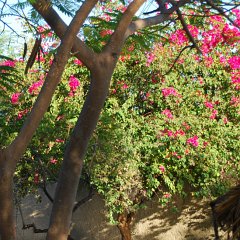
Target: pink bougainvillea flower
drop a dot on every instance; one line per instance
(73, 83)
(208, 61)
(216, 18)
(179, 132)
(167, 113)
(178, 37)
(169, 91)
(225, 120)
(34, 88)
(193, 141)
(8, 63)
(77, 62)
(237, 13)
(21, 114)
(231, 34)
(106, 32)
(125, 86)
(167, 195)
(214, 114)
(193, 30)
(15, 98)
(222, 60)
(208, 105)
(44, 30)
(53, 161)
(211, 39)
(235, 76)
(176, 155)
(205, 143)
(235, 101)
(234, 62)
(58, 140)
(150, 58)
(162, 168)
(167, 132)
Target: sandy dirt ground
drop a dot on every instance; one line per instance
(192, 221)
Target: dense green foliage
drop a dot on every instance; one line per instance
(157, 133)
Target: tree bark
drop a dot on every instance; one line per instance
(10, 155)
(124, 221)
(76, 149)
(7, 223)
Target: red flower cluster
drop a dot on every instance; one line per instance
(193, 141)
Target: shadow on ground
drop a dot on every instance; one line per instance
(191, 221)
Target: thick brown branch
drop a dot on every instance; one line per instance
(80, 49)
(19, 145)
(151, 21)
(117, 40)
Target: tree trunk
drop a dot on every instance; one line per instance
(124, 221)
(7, 222)
(73, 158)
(10, 155)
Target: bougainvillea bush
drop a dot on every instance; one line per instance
(40, 164)
(159, 131)
(162, 130)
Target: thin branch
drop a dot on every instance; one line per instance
(35, 229)
(210, 15)
(18, 14)
(44, 187)
(6, 24)
(28, 22)
(4, 4)
(2, 30)
(84, 200)
(221, 11)
(176, 59)
(161, 7)
(189, 35)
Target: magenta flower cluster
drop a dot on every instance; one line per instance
(167, 113)
(15, 97)
(234, 62)
(193, 141)
(209, 105)
(77, 62)
(73, 83)
(169, 91)
(179, 36)
(150, 58)
(8, 63)
(34, 88)
(235, 77)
